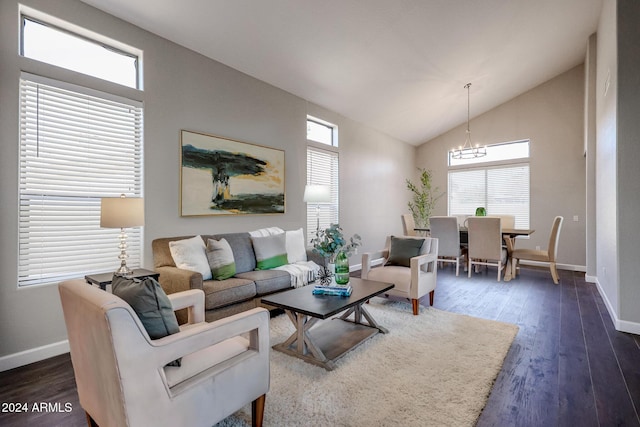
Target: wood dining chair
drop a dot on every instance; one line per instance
(408, 225)
(541, 255)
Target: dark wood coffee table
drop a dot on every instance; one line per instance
(328, 341)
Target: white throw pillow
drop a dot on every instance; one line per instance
(263, 232)
(191, 254)
(296, 249)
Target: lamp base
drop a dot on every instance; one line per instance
(124, 271)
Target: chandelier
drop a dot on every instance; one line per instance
(468, 151)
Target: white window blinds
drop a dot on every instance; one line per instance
(501, 190)
(322, 169)
(76, 146)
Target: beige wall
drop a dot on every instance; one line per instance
(551, 116)
(184, 90)
(606, 152)
(617, 173)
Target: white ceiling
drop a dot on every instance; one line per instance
(399, 66)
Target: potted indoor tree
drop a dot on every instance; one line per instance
(423, 198)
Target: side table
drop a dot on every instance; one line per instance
(104, 279)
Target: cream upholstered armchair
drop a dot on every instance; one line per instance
(122, 375)
(413, 281)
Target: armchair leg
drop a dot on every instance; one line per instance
(257, 411)
(416, 306)
(431, 295)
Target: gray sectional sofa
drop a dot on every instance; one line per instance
(223, 297)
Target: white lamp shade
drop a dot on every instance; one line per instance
(121, 212)
(317, 194)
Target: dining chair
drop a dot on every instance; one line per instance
(485, 243)
(541, 255)
(447, 231)
(408, 225)
(508, 221)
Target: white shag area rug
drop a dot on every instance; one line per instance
(435, 369)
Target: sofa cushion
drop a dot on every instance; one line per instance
(268, 281)
(271, 251)
(242, 248)
(218, 293)
(296, 248)
(190, 254)
(402, 250)
(221, 259)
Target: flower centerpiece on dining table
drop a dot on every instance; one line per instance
(330, 242)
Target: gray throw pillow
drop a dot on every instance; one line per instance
(151, 304)
(402, 250)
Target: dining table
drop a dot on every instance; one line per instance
(508, 235)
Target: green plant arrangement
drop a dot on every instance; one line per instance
(423, 198)
(481, 211)
(330, 241)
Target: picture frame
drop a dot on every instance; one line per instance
(223, 176)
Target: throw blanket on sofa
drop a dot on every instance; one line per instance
(301, 272)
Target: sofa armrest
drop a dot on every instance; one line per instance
(316, 257)
(174, 279)
(193, 300)
(368, 258)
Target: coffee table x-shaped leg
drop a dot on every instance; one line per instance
(330, 340)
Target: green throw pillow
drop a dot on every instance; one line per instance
(221, 259)
(151, 304)
(402, 250)
(271, 251)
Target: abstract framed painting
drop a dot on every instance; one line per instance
(222, 176)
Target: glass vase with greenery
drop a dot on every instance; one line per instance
(330, 241)
(423, 198)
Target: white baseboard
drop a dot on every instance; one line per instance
(569, 267)
(37, 354)
(590, 279)
(620, 325)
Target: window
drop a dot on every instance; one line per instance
(322, 169)
(76, 146)
(47, 43)
(502, 187)
(497, 152)
(322, 132)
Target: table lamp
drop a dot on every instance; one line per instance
(317, 194)
(122, 212)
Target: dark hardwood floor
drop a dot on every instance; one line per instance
(568, 366)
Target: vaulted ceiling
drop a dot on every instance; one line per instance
(399, 66)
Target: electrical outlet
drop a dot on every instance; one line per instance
(575, 218)
(537, 248)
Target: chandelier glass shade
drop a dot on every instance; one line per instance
(468, 150)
